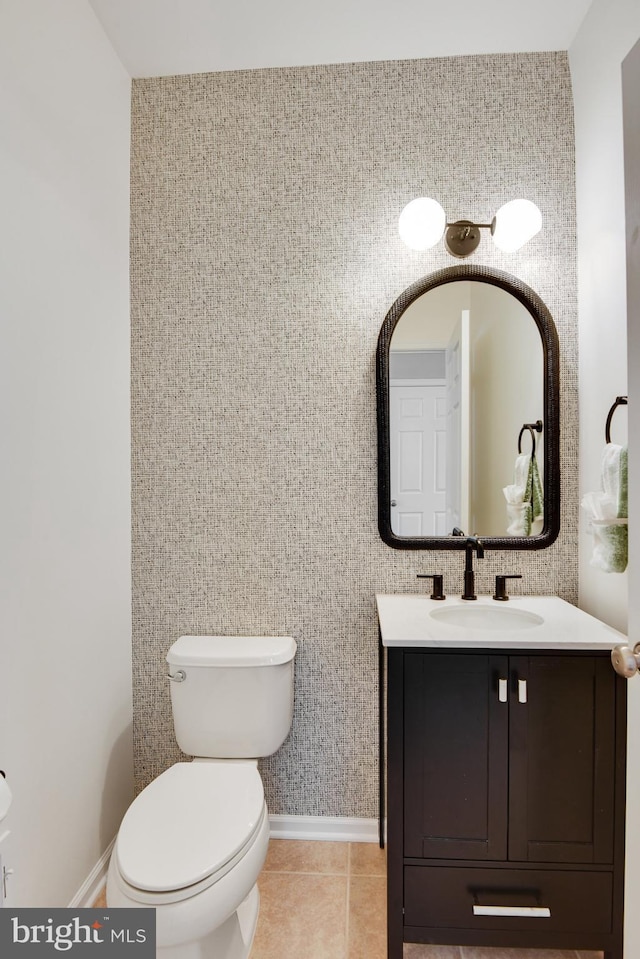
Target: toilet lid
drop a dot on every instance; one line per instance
(188, 823)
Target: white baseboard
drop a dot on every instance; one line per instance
(94, 883)
(327, 828)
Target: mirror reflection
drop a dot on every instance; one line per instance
(497, 357)
(466, 391)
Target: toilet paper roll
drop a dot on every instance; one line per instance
(5, 798)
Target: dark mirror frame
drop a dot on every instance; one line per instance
(551, 361)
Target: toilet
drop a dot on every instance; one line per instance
(193, 842)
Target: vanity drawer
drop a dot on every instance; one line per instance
(469, 898)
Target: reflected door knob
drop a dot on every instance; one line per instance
(626, 661)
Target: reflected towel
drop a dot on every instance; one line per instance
(533, 492)
(524, 498)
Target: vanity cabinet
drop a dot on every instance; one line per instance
(505, 799)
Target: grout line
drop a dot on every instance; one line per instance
(313, 872)
(348, 902)
(303, 872)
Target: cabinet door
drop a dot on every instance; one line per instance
(455, 755)
(562, 740)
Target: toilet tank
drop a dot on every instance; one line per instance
(231, 696)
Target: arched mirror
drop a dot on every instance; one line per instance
(468, 414)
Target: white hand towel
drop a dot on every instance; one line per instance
(607, 511)
(518, 512)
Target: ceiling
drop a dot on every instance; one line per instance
(166, 37)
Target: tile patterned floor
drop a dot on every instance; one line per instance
(322, 900)
(327, 900)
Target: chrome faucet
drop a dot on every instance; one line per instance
(472, 544)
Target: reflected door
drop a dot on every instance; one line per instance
(418, 453)
(458, 425)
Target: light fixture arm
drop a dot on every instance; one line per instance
(463, 236)
(480, 226)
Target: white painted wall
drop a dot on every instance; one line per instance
(65, 671)
(611, 28)
(506, 391)
(631, 101)
(607, 34)
(429, 321)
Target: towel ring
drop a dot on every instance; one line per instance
(620, 401)
(537, 426)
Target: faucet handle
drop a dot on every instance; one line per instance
(501, 587)
(476, 544)
(438, 592)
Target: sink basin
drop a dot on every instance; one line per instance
(487, 617)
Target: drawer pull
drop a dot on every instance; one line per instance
(530, 912)
(502, 690)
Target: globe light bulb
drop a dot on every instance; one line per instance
(515, 224)
(422, 223)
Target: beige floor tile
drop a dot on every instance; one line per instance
(367, 859)
(301, 916)
(367, 937)
(491, 952)
(412, 950)
(296, 855)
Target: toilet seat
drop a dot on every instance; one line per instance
(188, 828)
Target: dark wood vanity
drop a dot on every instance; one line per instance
(505, 799)
(506, 724)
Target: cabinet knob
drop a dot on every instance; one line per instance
(503, 690)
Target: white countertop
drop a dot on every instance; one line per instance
(406, 620)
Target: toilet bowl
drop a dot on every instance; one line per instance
(193, 842)
(192, 846)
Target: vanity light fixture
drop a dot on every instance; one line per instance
(423, 222)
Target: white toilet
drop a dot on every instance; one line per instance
(192, 844)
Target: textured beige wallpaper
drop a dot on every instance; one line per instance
(265, 256)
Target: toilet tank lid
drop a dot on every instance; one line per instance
(221, 651)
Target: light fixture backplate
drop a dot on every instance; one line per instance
(462, 238)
